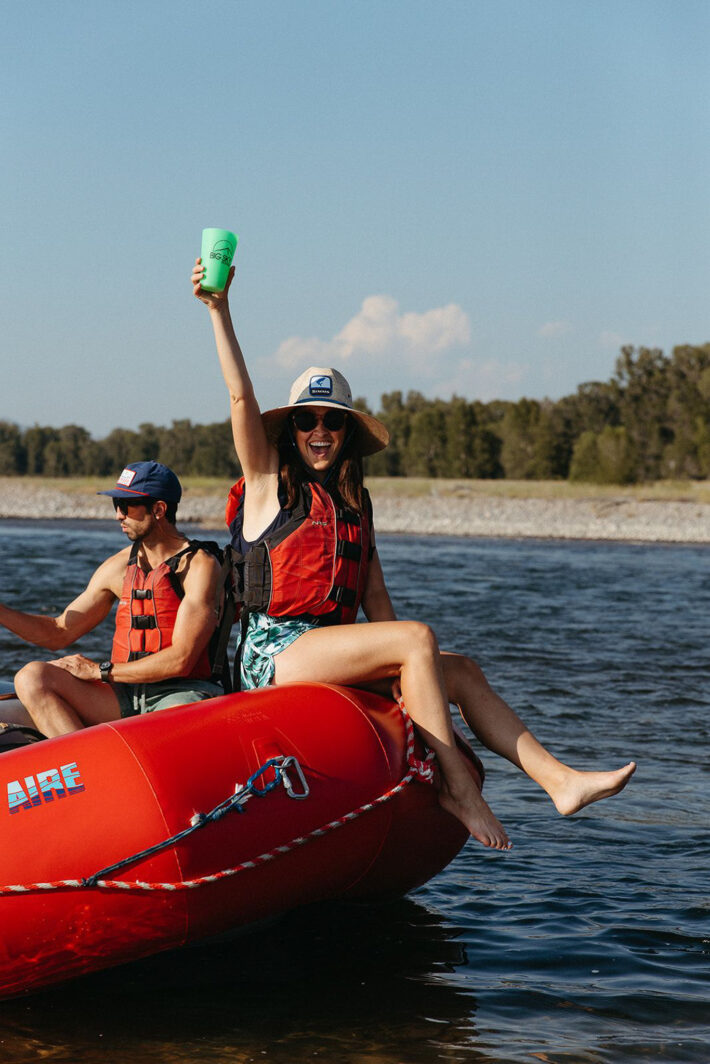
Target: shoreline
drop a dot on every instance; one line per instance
(447, 508)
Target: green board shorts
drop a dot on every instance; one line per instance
(135, 698)
(265, 638)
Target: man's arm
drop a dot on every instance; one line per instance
(79, 617)
(195, 622)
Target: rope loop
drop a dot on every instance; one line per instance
(422, 770)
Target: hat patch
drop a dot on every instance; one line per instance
(126, 478)
(320, 386)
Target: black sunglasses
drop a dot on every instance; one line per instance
(306, 420)
(123, 504)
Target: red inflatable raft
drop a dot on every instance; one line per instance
(125, 839)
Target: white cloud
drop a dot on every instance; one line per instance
(379, 329)
(612, 340)
(382, 349)
(553, 329)
(302, 351)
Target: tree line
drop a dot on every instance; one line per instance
(70, 451)
(651, 421)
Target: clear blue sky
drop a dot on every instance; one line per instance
(486, 197)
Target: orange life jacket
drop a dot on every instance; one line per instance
(314, 565)
(146, 612)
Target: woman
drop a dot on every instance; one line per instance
(308, 454)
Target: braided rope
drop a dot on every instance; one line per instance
(417, 770)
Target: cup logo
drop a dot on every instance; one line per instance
(223, 250)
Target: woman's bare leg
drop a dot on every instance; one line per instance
(500, 729)
(357, 653)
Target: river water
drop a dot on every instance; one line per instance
(588, 942)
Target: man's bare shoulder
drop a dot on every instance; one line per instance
(119, 560)
(111, 571)
(201, 567)
(203, 559)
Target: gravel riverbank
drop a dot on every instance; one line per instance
(607, 519)
(437, 511)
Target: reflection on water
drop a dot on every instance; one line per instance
(358, 983)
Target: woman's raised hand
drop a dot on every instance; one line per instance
(210, 299)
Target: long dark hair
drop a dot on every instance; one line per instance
(346, 476)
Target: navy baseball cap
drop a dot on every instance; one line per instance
(146, 480)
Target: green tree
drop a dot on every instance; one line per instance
(701, 440)
(486, 455)
(177, 445)
(426, 451)
(120, 447)
(13, 456)
(36, 440)
(688, 407)
(213, 453)
(585, 459)
(519, 431)
(643, 384)
(607, 457)
(147, 442)
(594, 405)
(392, 461)
(550, 457)
(461, 429)
(68, 453)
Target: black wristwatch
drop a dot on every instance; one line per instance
(105, 670)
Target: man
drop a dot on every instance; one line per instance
(169, 591)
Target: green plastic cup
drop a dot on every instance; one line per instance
(218, 247)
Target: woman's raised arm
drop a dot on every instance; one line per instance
(258, 457)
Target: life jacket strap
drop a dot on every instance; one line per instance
(347, 517)
(349, 550)
(344, 596)
(218, 647)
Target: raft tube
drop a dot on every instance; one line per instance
(348, 814)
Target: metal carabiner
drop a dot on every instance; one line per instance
(291, 762)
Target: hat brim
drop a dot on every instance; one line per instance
(372, 436)
(121, 493)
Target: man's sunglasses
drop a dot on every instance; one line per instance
(123, 504)
(306, 420)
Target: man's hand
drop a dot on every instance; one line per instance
(79, 666)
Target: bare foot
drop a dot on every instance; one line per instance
(476, 815)
(582, 788)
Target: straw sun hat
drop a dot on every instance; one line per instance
(327, 387)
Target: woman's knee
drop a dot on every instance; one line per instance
(419, 639)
